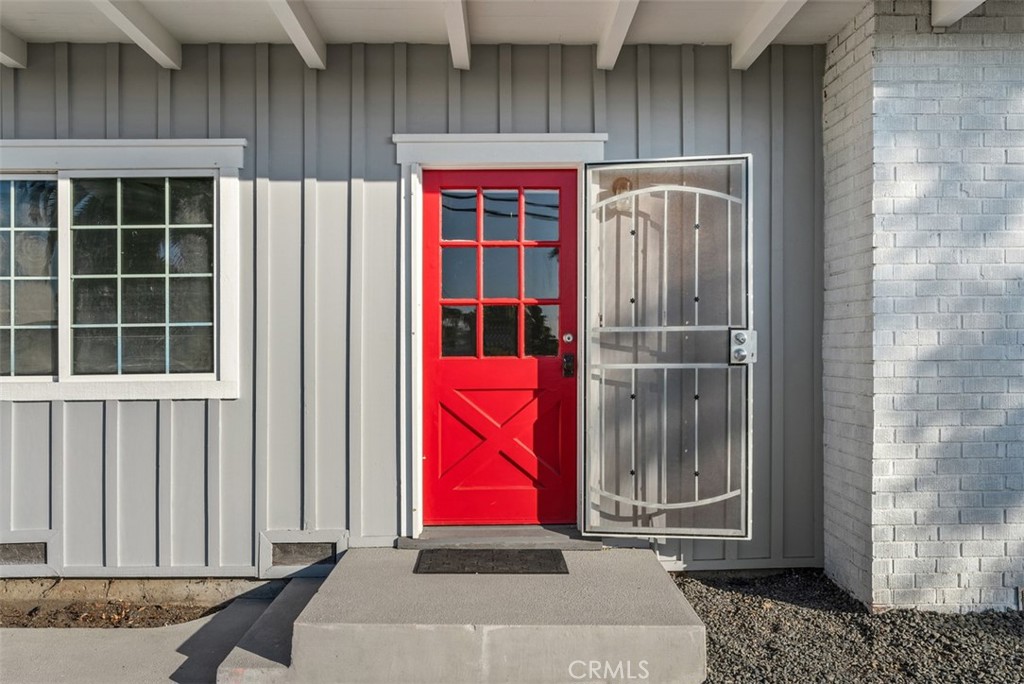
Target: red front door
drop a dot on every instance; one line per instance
(499, 318)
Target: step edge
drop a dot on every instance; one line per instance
(242, 659)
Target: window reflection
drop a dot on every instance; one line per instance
(458, 273)
(458, 214)
(458, 331)
(94, 202)
(541, 330)
(28, 277)
(35, 204)
(501, 214)
(501, 272)
(541, 220)
(191, 201)
(540, 281)
(501, 330)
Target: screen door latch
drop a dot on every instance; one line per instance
(743, 347)
(568, 365)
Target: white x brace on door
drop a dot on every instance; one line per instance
(669, 343)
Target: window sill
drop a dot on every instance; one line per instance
(119, 388)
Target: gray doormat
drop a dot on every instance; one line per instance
(490, 562)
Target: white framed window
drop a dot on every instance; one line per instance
(119, 269)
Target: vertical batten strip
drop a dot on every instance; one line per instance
(213, 556)
(262, 323)
(600, 99)
(401, 95)
(55, 549)
(213, 406)
(505, 89)
(819, 288)
(735, 147)
(113, 96)
(163, 104)
(735, 111)
(60, 89)
(554, 89)
(777, 299)
(454, 100)
(213, 96)
(111, 556)
(643, 100)
(354, 331)
(165, 481)
(310, 359)
(688, 76)
(6, 464)
(7, 103)
(401, 123)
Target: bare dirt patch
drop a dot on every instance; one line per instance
(98, 614)
(126, 602)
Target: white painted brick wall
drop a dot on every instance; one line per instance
(847, 343)
(925, 331)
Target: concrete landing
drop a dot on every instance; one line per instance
(617, 616)
(565, 537)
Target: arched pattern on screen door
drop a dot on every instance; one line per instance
(669, 347)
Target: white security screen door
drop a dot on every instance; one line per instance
(668, 348)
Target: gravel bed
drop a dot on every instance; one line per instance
(797, 626)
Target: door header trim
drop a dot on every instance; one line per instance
(467, 150)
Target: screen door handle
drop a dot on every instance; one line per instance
(568, 365)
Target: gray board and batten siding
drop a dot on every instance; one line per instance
(142, 488)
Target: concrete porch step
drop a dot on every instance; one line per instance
(616, 616)
(565, 537)
(264, 652)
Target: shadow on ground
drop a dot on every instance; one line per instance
(207, 648)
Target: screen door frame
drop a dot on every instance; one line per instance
(587, 296)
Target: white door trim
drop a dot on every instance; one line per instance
(415, 154)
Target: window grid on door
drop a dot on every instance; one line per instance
(500, 272)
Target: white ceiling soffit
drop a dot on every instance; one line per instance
(948, 12)
(143, 29)
(300, 27)
(160, 26)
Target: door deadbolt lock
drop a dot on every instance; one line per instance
(568, 365)
(568, 338)
(743, 347)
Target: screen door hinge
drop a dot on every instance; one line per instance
(743, 347)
